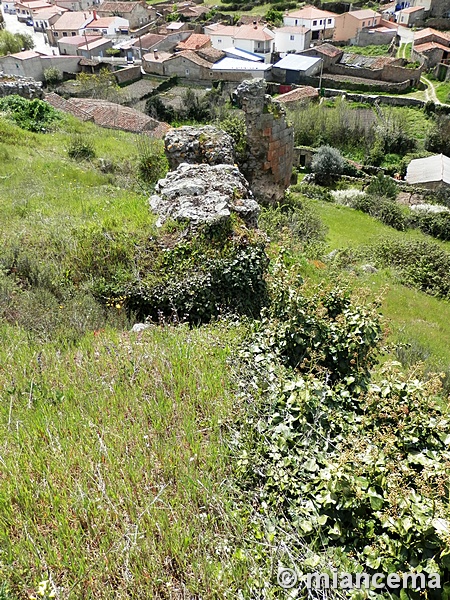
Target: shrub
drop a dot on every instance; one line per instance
(327, 164)
(310, 190)
(320, 333)
(435, 224)
(32, 115)
(234, 125)
(52, 76)
(382, 187)
(152, 162)
(386, 211)
(297, 220)
(81, 148)
(420, 264)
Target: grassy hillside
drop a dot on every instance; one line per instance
(120, 452)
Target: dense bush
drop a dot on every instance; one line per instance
(32, 115)
(327, 164)
(421, 264)
(385, 210)
(342, 473)
(382, 187)
(434, 224)
(323, 333)
(295, 220)
(315, 192)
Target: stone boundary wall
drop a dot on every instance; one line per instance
(354, 83)
(22, 86)
(128, 75)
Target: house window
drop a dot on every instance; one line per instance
(296, 21)
(55, 33)
(219, 41)
(292, 38)
(314, 23)
(105, 31)
(320, 21)
(329, 21)
(186, 71)
(364, 24)
(64, 33)
(74, 33)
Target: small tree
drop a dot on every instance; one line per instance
(52, 76)
(327, 163)
(382, 187)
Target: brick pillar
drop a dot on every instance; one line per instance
(270, 142)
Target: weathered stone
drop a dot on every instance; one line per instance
(270, 142)
(22, 86)
(204, 194)
(199, 145)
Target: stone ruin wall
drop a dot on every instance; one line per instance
(22, 86)
(270, 142)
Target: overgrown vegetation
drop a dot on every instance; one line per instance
(256, 422)
(32, 115)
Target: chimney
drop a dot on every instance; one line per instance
(255, 25)
(155, 54)
(94, 12)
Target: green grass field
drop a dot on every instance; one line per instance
(411, 315)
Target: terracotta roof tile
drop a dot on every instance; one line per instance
(303, 93)
(194, 42)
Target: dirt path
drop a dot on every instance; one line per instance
(430, 92)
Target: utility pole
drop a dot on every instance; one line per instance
(87, 45)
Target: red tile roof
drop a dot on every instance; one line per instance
(115, 116)
(194, 42)
(303, 93)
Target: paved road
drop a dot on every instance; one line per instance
(13, 25)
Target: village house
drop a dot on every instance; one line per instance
(76, 5)
(320, 22)
(111, 26)
(9, 7)
(42, 17)
(327, 52)
(33, 64)
(292, 39)
(68, 24)
(293, 67)
(24, 8)
(191, 12)
(431, 46)
(153, 62)
(431, 35)
(87, 46)
(136, 13)
(255, 38)
(152, 41)
(194, 42)
(188, 65)
(349, 24)
(409, 16)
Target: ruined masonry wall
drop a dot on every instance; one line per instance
(22, 86)
(270, 142)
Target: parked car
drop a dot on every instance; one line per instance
(29, 22)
